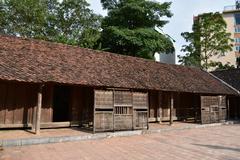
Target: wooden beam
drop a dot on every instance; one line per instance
(39, 108)
(15, 125)
(171, 109)
(60, 124)
(42, 125)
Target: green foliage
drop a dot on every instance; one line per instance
(227, 66)
(209, 38)
(130, 28)
(69, 21)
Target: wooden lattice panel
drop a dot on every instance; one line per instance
(140, 120)
(123, 122)
(122, 98)
(103, 99)
(103, 121)
(213, 109)
(140, 100)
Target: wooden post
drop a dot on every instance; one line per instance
(113, 92)
(39, 108)
(34, 118)
(147, 110)
(94, 125)
(160, 106)
(228, 109)
(171, 109)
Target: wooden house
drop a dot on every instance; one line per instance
(44, 85)
(232, 78)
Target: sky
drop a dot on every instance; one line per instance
(183, 12)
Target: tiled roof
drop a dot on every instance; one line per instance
(231, 76)
(36, 61)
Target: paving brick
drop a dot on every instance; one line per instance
(214, 143)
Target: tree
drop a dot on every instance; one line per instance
(69, 21)
(209, 38)
(77, 24)
(226, 66)
(130, 28)
(25, 19)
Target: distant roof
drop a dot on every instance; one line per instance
(231, 76)
(28, 60)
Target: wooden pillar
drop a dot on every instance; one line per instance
(94, 106)
(38, 110)
(236, 110)
(159, 107)
(34, 118)
(228, 109)
(171, 109)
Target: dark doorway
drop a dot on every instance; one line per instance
(61, 104)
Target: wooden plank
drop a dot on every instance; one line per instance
(47, 104)
(59, 124)
(19, 115)
(3, 95)
(10, 104)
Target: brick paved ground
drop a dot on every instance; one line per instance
(16, 134)
(222, 143)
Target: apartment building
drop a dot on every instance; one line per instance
(231, 14)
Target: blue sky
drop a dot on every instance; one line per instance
(183, 11)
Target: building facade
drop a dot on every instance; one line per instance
(169, 58)
(231, 15)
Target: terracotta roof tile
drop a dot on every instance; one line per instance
(38, 61)
(231, 76)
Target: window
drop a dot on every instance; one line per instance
(123, 110)
(237, 48)
(238, 62)
(237, 40)
(237, 19)
(237, 29)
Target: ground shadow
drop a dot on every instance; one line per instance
(218, 147)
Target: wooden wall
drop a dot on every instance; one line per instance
(213, 109)
(82, 100)
(47, 104)
(18, 102)
(186, 105)
(234, 107)
(153, 104)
